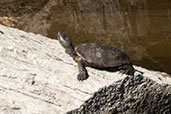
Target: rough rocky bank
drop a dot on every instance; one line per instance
(132, 95)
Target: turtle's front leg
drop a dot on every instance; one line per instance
(83, 75)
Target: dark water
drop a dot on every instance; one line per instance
(142, 28)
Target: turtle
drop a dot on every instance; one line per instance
(97, 55)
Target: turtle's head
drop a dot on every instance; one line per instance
(64, 40)
(66, 43)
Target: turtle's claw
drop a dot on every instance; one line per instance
(82, 76)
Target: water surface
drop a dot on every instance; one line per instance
(142, 28)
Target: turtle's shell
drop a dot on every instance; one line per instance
(100, 55)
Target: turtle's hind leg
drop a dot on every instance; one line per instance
(83, 75)
(127, 69)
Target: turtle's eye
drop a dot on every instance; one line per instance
(65, 38)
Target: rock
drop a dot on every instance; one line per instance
(36, 76)
(132, 95)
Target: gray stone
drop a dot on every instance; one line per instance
(38, 77)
